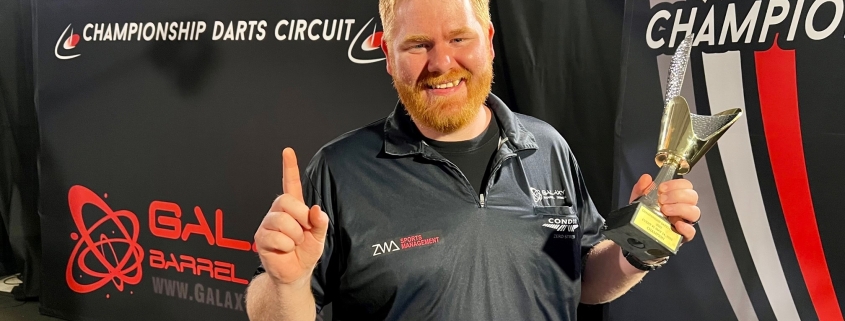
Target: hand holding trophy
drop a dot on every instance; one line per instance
(640, 228)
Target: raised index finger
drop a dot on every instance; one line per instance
(290, 175)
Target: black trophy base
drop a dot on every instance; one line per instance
(642, 231)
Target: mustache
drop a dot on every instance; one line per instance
(428, 80)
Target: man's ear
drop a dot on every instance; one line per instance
(490, 32)
(386, 55)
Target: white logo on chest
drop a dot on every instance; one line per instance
(385, 247)
(547, 194)
(562, 224)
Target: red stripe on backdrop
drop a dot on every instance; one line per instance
(776, 81)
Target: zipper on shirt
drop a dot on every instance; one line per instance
(496, 167)
(482, 200)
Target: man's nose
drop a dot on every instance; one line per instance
(440, 60)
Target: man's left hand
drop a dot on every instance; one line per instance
(677, 201)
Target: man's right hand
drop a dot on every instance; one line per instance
(291, 236)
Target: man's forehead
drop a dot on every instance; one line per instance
(447, 16)
(424, 10)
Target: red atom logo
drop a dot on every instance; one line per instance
(128, 265)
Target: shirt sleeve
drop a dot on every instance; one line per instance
(592, 223)
(317, 189)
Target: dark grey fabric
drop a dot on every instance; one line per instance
(505, 260)
(20, 227)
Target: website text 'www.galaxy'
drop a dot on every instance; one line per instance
(198, 293)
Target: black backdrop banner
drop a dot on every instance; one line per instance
(769, 239)
(162, 126)
(162, 130)
(20, 239)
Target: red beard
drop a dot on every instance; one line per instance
(448, 113)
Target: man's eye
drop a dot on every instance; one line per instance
(458, 40)
(418, 46)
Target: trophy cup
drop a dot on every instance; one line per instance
(640, 228)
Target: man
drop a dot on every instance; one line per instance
(451, 208)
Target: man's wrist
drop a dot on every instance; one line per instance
(296, 285)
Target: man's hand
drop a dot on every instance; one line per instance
(291, 236)
(677, 201)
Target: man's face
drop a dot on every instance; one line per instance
(441, 61)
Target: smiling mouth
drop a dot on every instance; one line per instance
(445, 85)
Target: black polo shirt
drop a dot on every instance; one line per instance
(410, 239)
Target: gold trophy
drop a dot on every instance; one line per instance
(640, 228)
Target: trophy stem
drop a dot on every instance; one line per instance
(667, 172)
